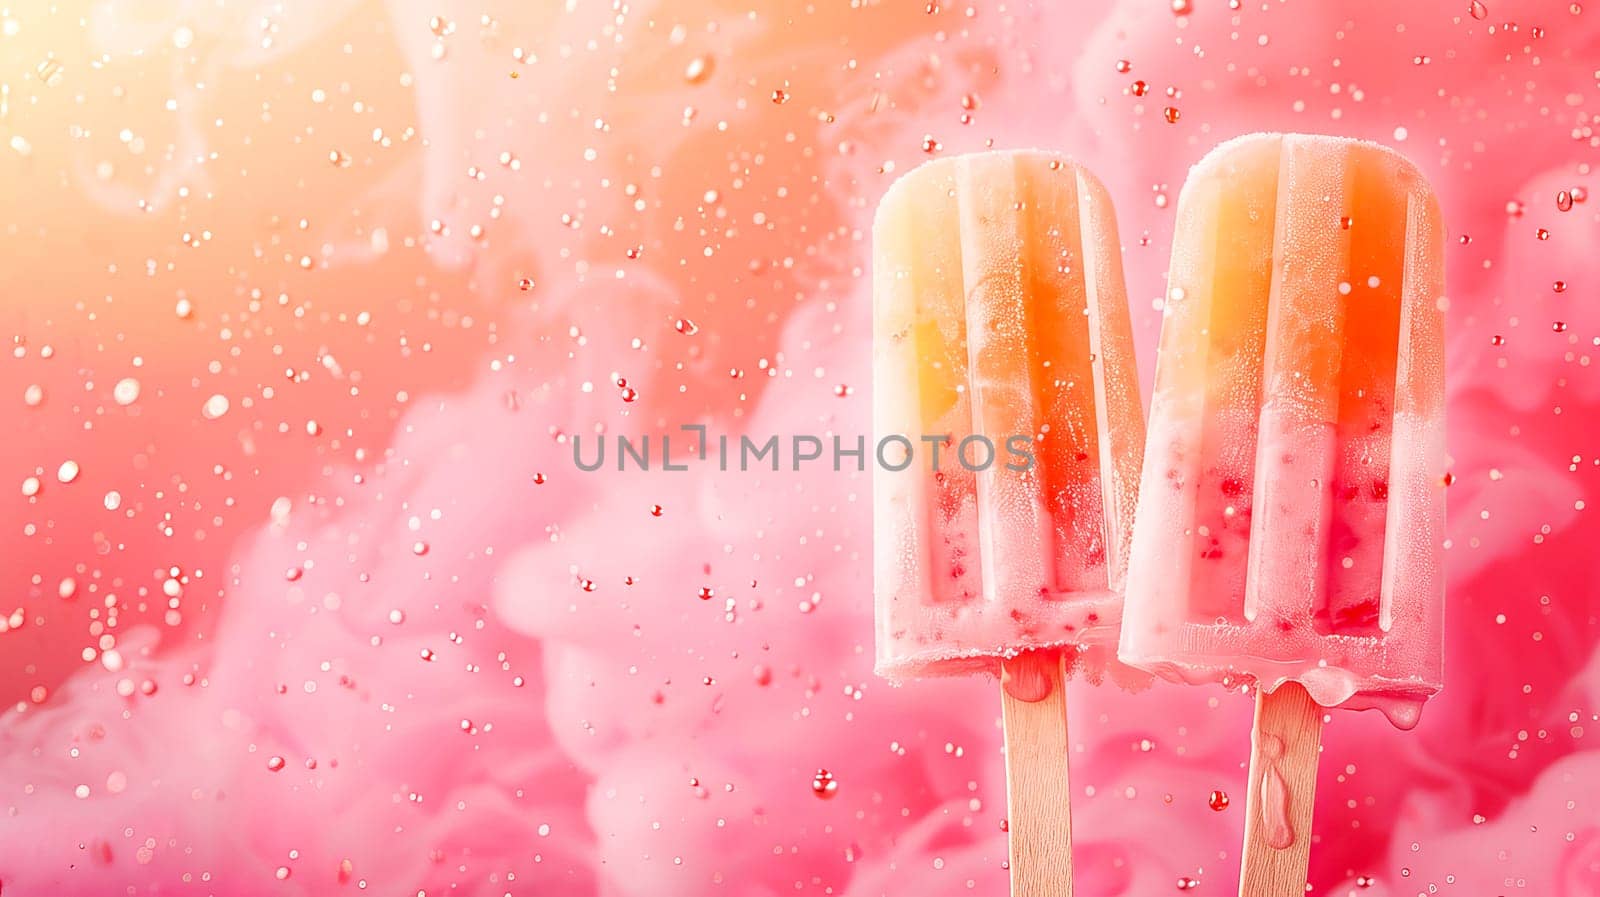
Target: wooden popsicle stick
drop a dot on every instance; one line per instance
(1034, 707)
(1283, 784)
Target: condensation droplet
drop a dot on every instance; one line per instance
(698, 69)
(126, 392)
(215, 407)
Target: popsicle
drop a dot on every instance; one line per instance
(999, 316)
(1291, 511)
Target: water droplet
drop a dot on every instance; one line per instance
(275, 764)
(1124, 66)
(215, 407)
(1171, 114)
(1497, 340)
(419, 548)
(686, 327)
(1564, 201)
(707, 593)
(1185, 883)
(1139, 88)
(525, 284)
(1559, 286)
(780, 96)
(1182, 7)
(1478, 10)
(1542, 234)
(126, 392)
(930, 145)
(698, 69)
(1218, 801)
(1559, 326)
(1345, 222)
(824, 785)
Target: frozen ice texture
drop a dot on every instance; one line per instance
(999, 310)
(1292, 508)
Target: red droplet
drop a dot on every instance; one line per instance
(824, 785)
(1218, 801)
(1171, 114)
(1026, 677)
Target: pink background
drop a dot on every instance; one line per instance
(338, 634)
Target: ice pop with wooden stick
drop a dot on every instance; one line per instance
(1009, 432)
(1291, 513)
